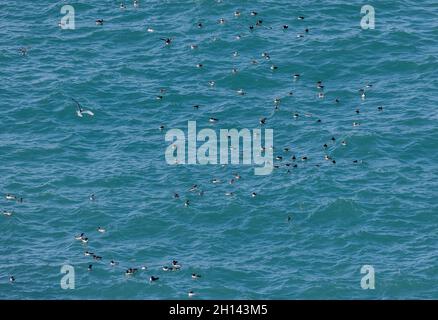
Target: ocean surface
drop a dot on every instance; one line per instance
(381, 210)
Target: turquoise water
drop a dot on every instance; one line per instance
(381, 211)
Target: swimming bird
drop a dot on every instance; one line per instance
(355, 124)
(211, 83)
(80, 112)
(253, 194)
(10, 197)
(79, 237)
(241, 92)
(99, 22)
(84, 240)
(193, 188)
(300, 18)
(221, 21)
(191, 294)
(165, 268)
(136, 3)
(167, 41)
(380, 108)
(175, 264)
(131, 271)
(122, 6)
(199, 65)
(296, 76)
(113, 263)
(101, 230)
(237, 13)
(150, 30)
(187, 203)
(262, 120)
(285, 27)
(11, 279)
(96, 257)
(213, 120)
(7, 213)
(90, 267)
(193, 46)
(88, 253)
(344, 143)
(152, 278)
(253, 13)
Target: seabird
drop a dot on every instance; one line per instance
(152, 278)
(99, 22)
(167, 41)
(79, 237)
(253, 194)
(113, 263)
(11, 279)
(211, 83)
(213, 120)
(10, 197)
(355, 124)
(236, 13)
(262, 120)
(90, 267)
(7, 213)
(150, 30)
(101, 230)
(221, 21)
(88, 253)
(285, 27)
(187, 203)
(80, 112)
(195, 276)
(241, 92)
(191, 294)
(96, 257)
(253, 13)
(84, 240)
(92, 197)
(131, 271)
(136, 3)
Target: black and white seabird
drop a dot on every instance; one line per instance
(80, 111)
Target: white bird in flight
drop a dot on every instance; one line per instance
(80, 112)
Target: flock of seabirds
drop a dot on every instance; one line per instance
(81, 112)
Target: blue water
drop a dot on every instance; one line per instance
(381, 211)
